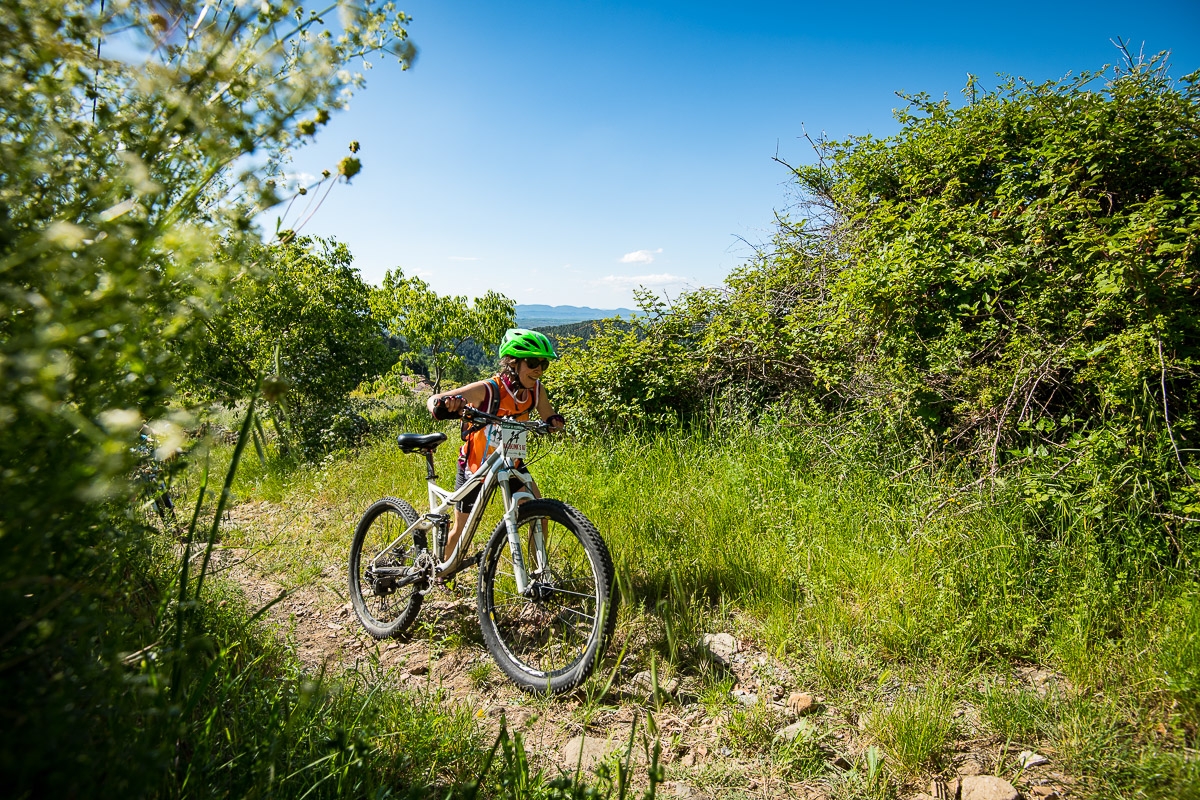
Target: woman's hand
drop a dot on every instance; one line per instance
(446, 406)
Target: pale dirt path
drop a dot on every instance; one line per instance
(444, 652)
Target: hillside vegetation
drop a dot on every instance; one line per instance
(941, 429)
(1006, 288)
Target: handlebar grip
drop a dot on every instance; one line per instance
(440, 412)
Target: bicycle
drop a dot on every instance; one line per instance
(547, 612)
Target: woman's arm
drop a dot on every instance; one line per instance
(473, 394)
(546, 411)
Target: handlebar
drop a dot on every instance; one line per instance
(475, 415)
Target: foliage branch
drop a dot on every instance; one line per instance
(301, 318)
(441, 325)
(139, 141)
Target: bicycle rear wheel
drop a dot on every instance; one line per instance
(384, 597)
(550, 638)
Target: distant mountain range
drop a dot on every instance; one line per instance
(539, 316)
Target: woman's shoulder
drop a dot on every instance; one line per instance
(482, 382)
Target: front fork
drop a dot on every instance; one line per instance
(512, 502)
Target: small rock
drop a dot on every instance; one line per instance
(721, 646)
(688, 760)
(987, 787)
(743, 697)
(1044, 792)
(521, 718)
(790, 733)
(587, 751)
(644, 681)
(841, 763)
(497, 711)
(1028, 759)
(343, 612)
(419, 669)
(801, 703)
(678, 788)
(970, 765)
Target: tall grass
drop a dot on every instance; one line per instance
(818, 550)
(858, 575)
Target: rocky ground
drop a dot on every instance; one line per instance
(760, 733)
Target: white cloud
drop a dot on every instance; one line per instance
(649, 281)
(463, 258)
(640, 256)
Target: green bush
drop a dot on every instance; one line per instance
(1015, 279)
(1006, 287)
(126, 200)
(628, 374)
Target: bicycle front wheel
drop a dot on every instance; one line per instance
(549, 638)
(385, 597)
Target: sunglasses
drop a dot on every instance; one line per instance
(537, 363)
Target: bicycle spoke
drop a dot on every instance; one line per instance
(576, 612)
(560, 590)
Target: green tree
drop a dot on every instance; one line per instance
(441, 325)
(306, 321)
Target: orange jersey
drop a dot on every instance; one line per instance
(516, 405)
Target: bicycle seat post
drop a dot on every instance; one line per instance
(429, 474)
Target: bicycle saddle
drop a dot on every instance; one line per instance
(412, 442)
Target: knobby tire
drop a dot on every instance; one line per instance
(381, 608)
(549, 642)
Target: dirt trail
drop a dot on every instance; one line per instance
(444, 652)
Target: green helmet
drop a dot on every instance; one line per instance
(521, 343)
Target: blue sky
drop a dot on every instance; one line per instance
(566, 152)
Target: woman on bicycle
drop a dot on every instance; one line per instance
(514, 391)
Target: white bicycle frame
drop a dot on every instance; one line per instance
(496, 470)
